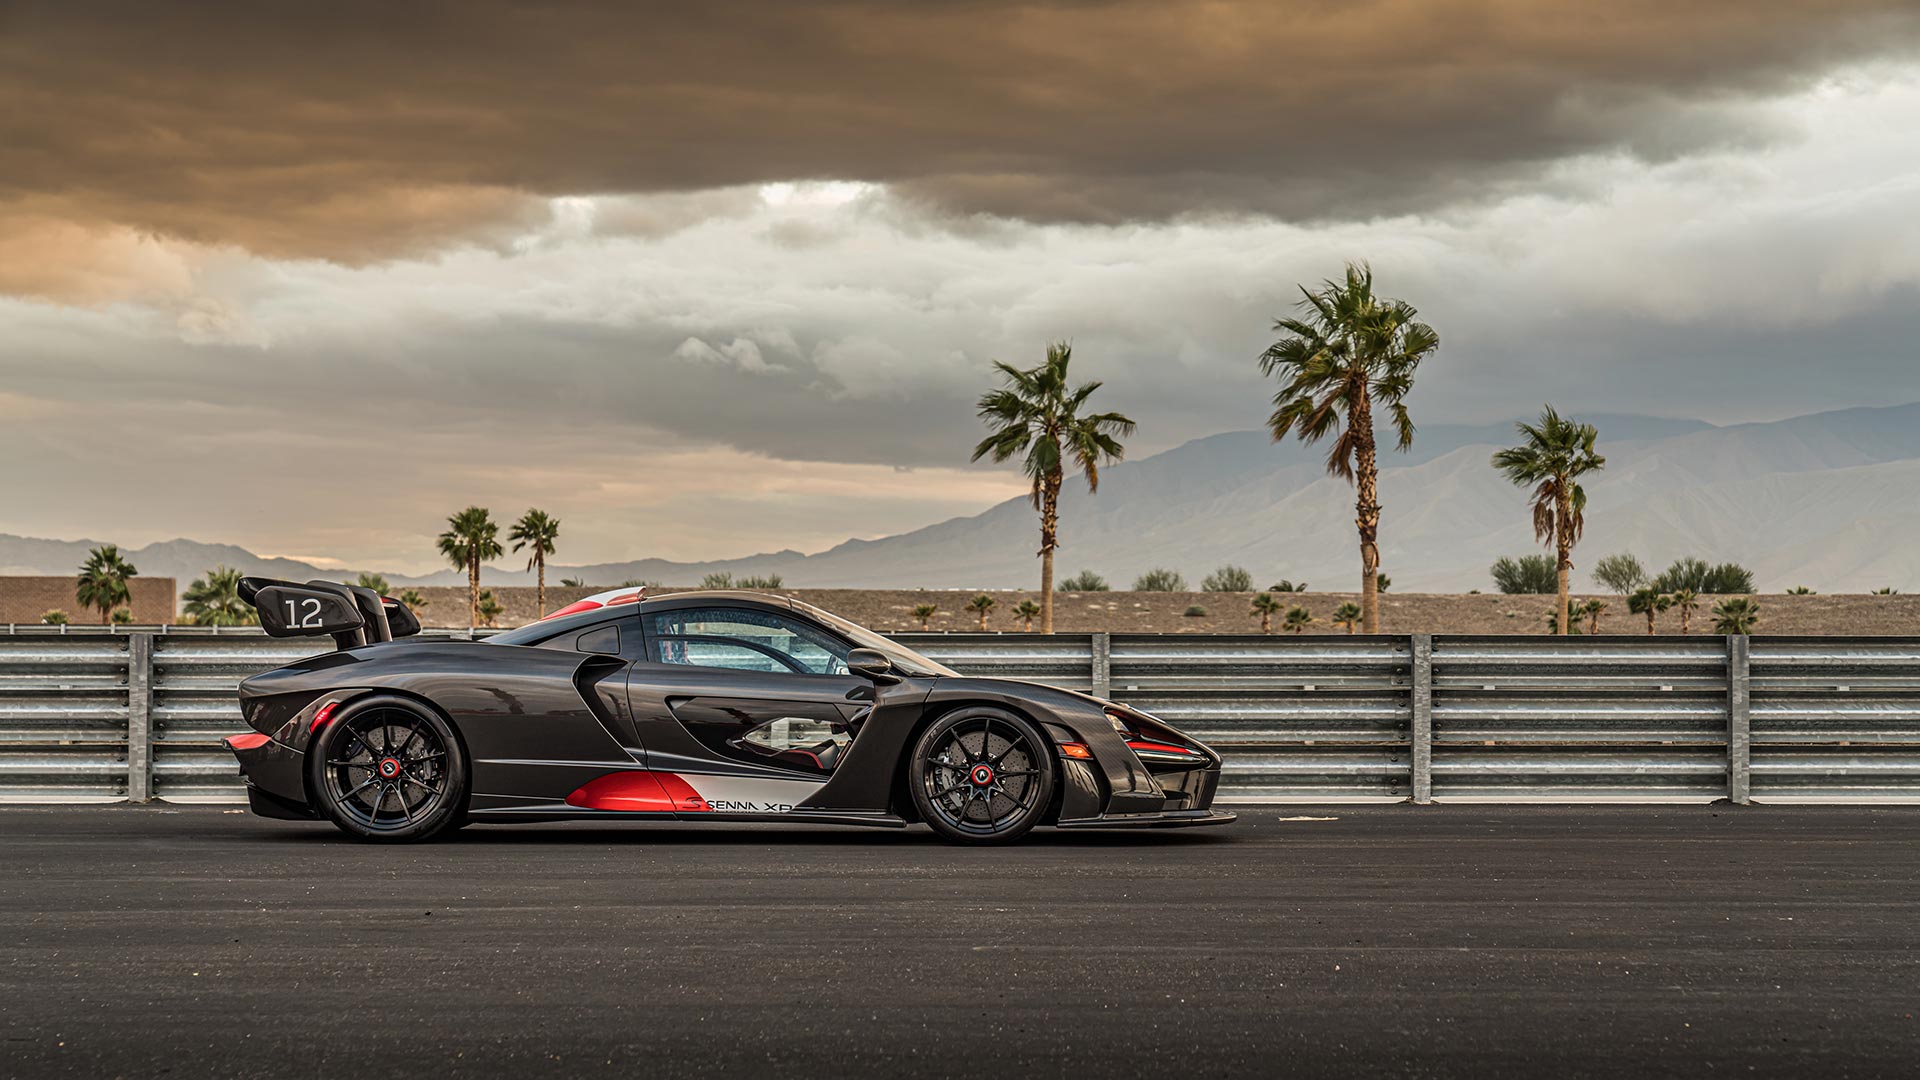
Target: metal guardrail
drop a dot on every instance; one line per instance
(108, 714)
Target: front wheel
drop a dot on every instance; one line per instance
(388, 769)
(982, 776)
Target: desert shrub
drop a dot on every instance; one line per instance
(56, 617)
(1084, 581)
(717, 581)
(1160, 579)
(1699, 577)
(1526, 574)
(1620, 573)
(770, 581)
(1195, 612)
(1228, 579)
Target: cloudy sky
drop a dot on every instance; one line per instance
(710, 279)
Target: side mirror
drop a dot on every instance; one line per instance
(873, 665)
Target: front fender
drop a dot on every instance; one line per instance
(1130, 788)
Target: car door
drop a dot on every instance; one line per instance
(751, 707)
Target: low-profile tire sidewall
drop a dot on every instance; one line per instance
(444, 818)
(936, 733)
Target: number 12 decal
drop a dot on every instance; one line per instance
(312, 618)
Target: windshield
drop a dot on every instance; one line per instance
(905, 659)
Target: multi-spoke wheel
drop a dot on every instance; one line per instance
(385, 768)
(982, 775)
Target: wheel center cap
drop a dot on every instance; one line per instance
(983, 775)
(389, 768)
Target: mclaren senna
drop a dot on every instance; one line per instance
(707, 706)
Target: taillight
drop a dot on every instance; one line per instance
(320, 718)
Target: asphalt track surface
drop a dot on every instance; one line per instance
(1441, 941)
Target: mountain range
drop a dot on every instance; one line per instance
(1820, 500)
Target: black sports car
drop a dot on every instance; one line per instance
(701, 706)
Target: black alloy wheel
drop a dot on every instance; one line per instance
(388, 769)
(982, 775)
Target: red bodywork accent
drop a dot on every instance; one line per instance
(682, 793)
(638, 790)
(630, 598)
(252, 740)
(1166, 748)
(574, 608)
(320, 718)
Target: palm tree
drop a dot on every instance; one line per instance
(1028, 611)
(1350, 350)
(1685, 601)
(537, 532)
(472, 537)
(1593, 609)
(214, 600)
(488, 607)
(1037, 414)
(103, 581)
(1297, 620)
(413, 600)
(925, 613)
(980, 605)
(1555, 454)
(372, 581)
(1648, 601)
(1736, 615)
(1266, 606)
(1346, 615)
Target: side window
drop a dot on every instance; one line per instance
(744, 639)
(604, 639)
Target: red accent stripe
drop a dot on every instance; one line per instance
(574, 608)
(638, 790)
(1164, 747)
(630, 598)
(252, 740)
(320, 718)
(633, 789)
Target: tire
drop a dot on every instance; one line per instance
(389, 770)
(981, 775)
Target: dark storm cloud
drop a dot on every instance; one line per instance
(360, 131)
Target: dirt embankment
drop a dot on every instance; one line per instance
(1230, 613)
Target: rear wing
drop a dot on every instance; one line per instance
(351, 614)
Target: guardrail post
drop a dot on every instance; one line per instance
(1739, 721)
(139, 718)
(1102, 665)
(1422, 735)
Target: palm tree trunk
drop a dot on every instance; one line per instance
(473, 591)
(1049, 539)
(1563, 549)
(1266, 623)
(540, 563)
(1367, 508)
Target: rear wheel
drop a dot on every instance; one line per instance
(982, 776)
(388, 769)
